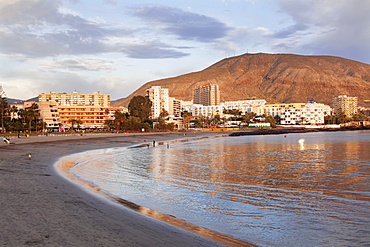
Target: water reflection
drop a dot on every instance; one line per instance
(301, 144)
(305, 189)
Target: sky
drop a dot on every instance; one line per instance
(116, 46)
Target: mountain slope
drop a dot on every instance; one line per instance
(282, 78)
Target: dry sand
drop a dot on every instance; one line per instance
(39, 207)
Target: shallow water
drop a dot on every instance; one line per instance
(310, 189)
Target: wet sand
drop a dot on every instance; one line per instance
(39, 207)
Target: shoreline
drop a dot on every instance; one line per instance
(287, 130)
(67, 162)
(40, 207)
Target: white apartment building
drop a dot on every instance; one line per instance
(186, 105)
(49, 114)
(244, 105)
(310, 113)
(110, 111)
(276, 108)
(207, 111)
(160, 100)
(15, 114)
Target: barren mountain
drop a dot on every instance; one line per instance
(277, 78)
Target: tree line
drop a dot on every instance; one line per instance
(27, 119)
(138, 117)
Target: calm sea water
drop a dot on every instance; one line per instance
(309, 189)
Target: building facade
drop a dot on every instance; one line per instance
(345, 104)
(208, 94)
(311, 113)
(15, 114)
(49, 114)
(93, 116)
(74, 110)
(206, 111)
(174, 107)
(276, 108)
(76, 98)
(245, 106)
(160, 100)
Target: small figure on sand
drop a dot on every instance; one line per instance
(29, 156)
(6, 140)
(153, 143)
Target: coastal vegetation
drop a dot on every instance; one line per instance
(26, 120)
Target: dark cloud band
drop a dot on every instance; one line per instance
(186, 25)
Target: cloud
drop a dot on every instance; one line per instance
(77, 64)
(151, 51)
(290, 31)
(322, 27)
(42, 28)
(185, 25)
(27, 83)
(110, 2)
(109, 84)
(316, 27)
(244, 39)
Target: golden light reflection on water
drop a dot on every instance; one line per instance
(271, 187)
(316, 177)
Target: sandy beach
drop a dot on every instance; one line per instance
(39, 207)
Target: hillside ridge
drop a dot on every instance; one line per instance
(277, 78)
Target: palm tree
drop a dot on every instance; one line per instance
(3, 111)
(78, 122)
(32, 113)
(106, 111)
(22, 115)
(73, 122)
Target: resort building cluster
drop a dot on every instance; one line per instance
(207, 103)
(61, 110)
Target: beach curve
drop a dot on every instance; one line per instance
(40, 208)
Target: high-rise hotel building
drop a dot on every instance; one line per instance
(208, 94)
(160, 100)
(345, 104)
